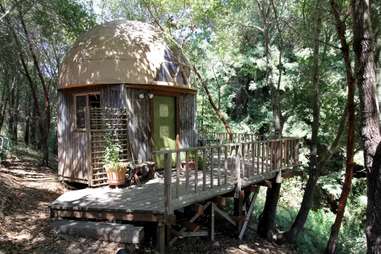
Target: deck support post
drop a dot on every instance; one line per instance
(164, 228)
(212, 223)
(249, 212)
(160, 243)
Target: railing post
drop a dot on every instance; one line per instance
(237, 165)
(168, 183)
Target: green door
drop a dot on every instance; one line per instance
(164, 125)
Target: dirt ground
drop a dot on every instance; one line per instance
(25, 192)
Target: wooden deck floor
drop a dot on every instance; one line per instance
(149, 197)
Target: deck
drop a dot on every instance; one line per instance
(223, 169)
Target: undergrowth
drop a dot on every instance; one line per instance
(314, 237)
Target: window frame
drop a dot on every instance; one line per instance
(86, 109)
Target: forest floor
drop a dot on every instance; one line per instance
(26, 189)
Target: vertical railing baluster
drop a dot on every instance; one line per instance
(187, 171)
(258, 155)
(286, 162)
(296, 151)
(237, 162)
(243, 159)
(263, 150)
(204, 169)
(196, 171)
(167, 183)
(281, 154)
(177, 174)
(219, 165)
(211, 167)
(226, 164)
(253, 158)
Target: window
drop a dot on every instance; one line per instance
(94, 100)
(81, 102)
(80, 111)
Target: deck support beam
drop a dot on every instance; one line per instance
(160, 242)
(249, 212)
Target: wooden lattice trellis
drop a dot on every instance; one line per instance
(107, 123)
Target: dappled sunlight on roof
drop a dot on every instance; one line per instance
(129, 52)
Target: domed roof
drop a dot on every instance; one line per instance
(129, 52)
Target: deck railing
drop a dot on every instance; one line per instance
(223, 138)
(204, 172)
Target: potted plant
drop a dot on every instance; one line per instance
(115, 169)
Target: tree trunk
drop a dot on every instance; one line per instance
(27, 124)
(335, 229)
(220, 116)
(266, 222)
(4, 101)
(314, 168)
(33, 129)
(45, 121)
(370, 129)
(11, 110)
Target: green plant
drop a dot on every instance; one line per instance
(111, 158)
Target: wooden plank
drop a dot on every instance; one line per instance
(211, 165)
(218, 166)
(193, 234)
(112, 232)
(248, 214)
(253, 147)
(204, 170)
(196, 171)
(212, 222)
(161, 238)
(224, 215)
(177, 184)
(193, 219)
(167, 184)
(187, 171)
(263, 148)
(243, 159)
(226, 164)
(99, 215)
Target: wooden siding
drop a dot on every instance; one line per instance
(72, 152)
(187, 120)
(74, 146)
(139, 126)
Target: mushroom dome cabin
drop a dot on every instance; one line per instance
(124, 82)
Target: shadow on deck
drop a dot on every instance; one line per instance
(224, 169)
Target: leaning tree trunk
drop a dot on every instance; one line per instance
(341, 30)
(370, 128)
(314, 167)
(219, 114)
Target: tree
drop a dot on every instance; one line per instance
(370, 129)
(345, 49)
(314, 167)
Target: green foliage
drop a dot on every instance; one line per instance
(225, 41)
(111, 154)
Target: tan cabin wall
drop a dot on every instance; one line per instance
(73, 145)
(139, 125)
(187, 108)
(141, 120)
